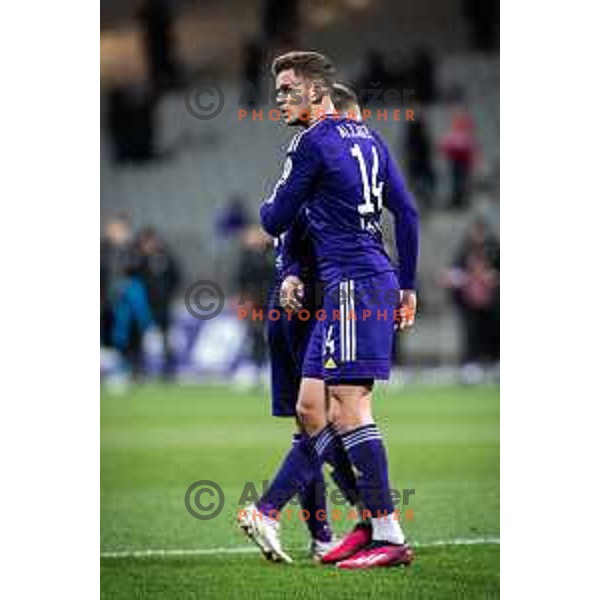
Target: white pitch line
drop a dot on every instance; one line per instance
(166, 552)
(150, 552)
(460, 542)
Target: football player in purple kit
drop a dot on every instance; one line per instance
(342, 175)
(288, 335)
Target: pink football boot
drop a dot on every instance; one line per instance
(352, 542)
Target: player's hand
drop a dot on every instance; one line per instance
(408, 309)
(291, 293)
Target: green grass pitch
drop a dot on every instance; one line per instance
(157, 440)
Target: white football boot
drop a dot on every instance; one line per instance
(319, 549)
(264, 532)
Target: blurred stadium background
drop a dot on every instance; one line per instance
(194, 185)
(179, 200)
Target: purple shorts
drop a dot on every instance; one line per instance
(353, 337)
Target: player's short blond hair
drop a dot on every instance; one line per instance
(312, 65)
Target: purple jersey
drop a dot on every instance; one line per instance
(341, 174)
(294, 251)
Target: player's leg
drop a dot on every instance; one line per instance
(297, 473)
(364, 445)
(313, 498)
(361, 349)
(303, 464)
(324, 439)
(313, 501)
(342, 473)
(345, 479)
(298, 469)
(311, 409)
(324, 355)
(284, 384)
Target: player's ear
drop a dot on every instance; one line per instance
(316, 91)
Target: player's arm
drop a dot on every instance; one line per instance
(401, 204)
(300, 172)
(296, 246)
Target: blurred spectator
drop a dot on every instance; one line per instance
(479, 239)
(125, 309)
(159, 274)
(232, 218)
(459, 148)
(131, 121)
(115, 248)
(418, 158)
(132, 318)
(374, 79)
(422, 75)
(157, 23)
(254, 279)
(474, 280)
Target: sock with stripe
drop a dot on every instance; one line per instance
(328, 448)
(314, 501)
(342, 473)
(295, 473)
(365, 449)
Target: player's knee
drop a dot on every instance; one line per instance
(303, 411)
(308, 414)
(353, 407)
(310, 407)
